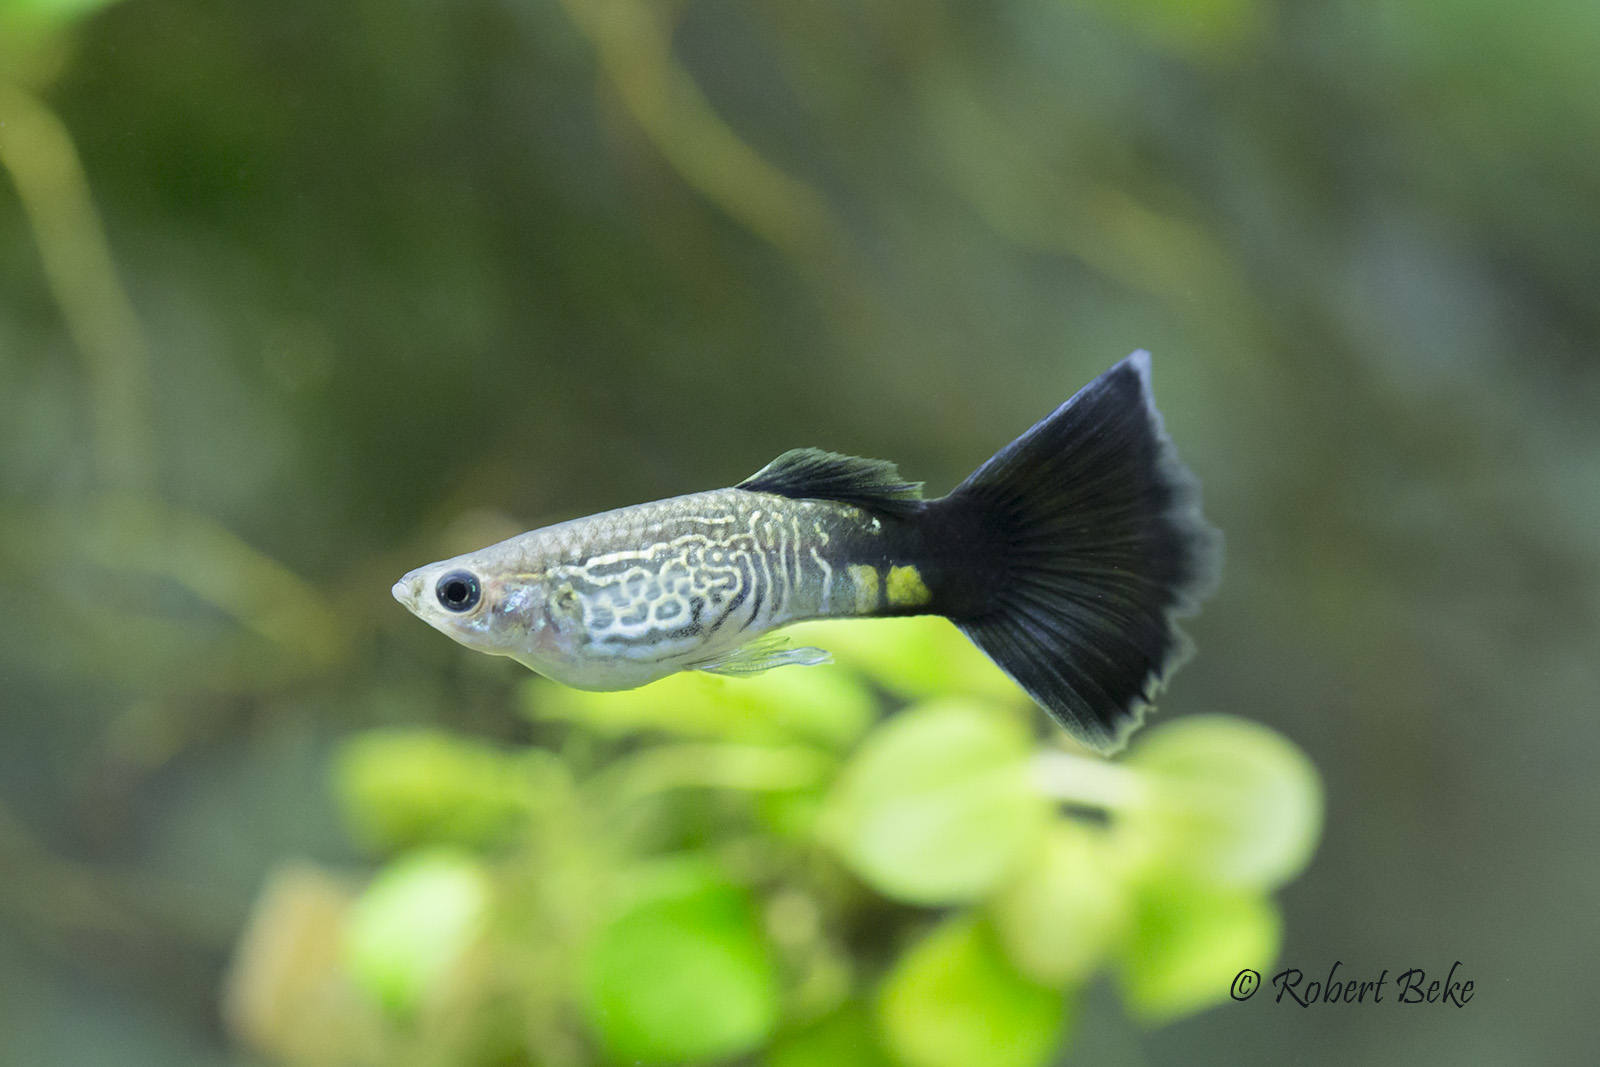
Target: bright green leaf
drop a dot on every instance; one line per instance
(57, 8)
(819, 704)
(1231, 802)
(954, 1000)
(790, 813)
(937, 806)
(712, 765)
(1188, 943)
(1060, 918)
(406, 934)
(49, 12)
(914, 657)
(406, 787)
(681, 975)
(822, 704)
(845, 1038)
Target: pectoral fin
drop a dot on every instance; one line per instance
(763, 654)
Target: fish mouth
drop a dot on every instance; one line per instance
(408, 590)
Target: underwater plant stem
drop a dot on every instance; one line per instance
(51, 893)
(37, 150)
(221, 569)
(1092, 782)
(634, 44)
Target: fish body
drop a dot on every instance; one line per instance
(619, 599)
(1065, 558)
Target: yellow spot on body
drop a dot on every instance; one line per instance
(866, 580)
(906, 588)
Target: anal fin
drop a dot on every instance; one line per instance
(763, 654)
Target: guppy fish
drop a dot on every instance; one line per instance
(1065, 558)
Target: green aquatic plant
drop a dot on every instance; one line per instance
(880, 862)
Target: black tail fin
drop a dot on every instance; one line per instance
(1088, 541)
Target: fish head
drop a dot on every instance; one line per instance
(487, 606)
(520, 600)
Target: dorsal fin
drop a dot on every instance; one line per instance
(812, 474)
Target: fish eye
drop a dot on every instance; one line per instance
(458, 591)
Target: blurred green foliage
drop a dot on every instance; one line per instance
(748, 873)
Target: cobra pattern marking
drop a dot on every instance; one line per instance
(725, 575)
